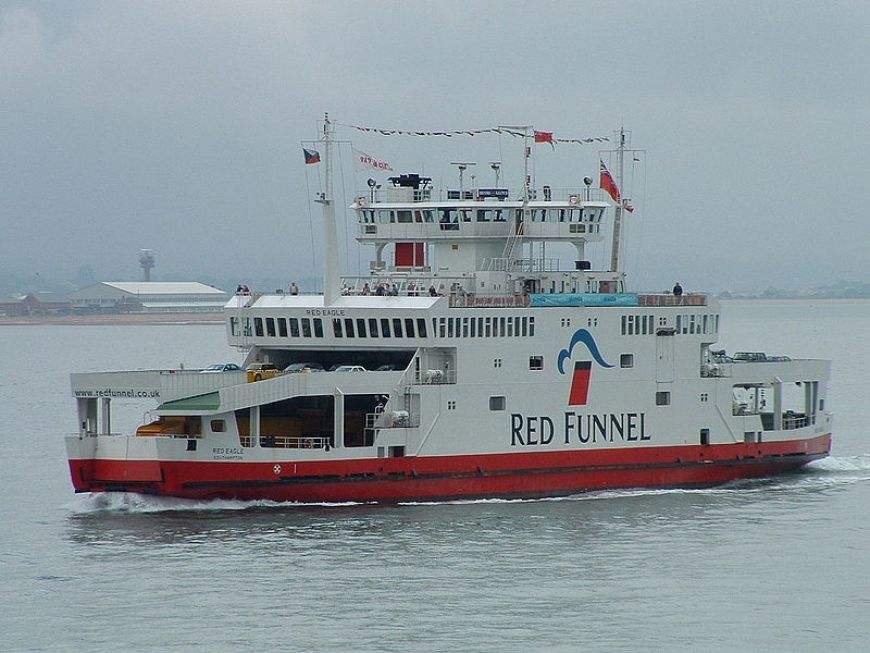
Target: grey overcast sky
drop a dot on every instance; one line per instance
(177, 125)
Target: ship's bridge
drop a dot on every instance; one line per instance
(406, 213)
(479, 240)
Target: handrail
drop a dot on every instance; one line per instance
(400, 195)
(289, 441)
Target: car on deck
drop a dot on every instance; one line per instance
(217, 368)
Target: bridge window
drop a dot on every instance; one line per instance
(409, 327)
(270, 326)
(421, 327)
(360, 327)
(282, 327)
(348, 327)
(373, 327)
(234, 326)
(306, 327)
(447, 216)
(385, 327)
(397, 327)
(294, 327)
(258, 326)
(403, 216)
(336, 328)
(318, 327)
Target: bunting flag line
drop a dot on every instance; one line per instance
(545, 137)
(311, 156)
(548, 136)
(364, 162)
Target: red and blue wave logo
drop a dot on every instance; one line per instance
(582, 368)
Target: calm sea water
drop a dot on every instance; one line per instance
(771, 565)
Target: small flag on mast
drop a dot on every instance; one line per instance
(543, 137)
(606, 183)
(311, 156)
(365, 162)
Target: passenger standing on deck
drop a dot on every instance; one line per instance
(294, 289)
(678, 289)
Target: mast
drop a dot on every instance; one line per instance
(330, 237)
(616, 253)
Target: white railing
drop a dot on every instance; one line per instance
(389, 194)
(289, 441)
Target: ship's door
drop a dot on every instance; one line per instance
(664, 357)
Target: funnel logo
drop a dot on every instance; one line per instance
(582, 369)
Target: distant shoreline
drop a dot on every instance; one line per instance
(794, 300)
(217, 318)
(122, 318)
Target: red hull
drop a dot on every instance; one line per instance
(450, 477)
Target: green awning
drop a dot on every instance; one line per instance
(207, 402)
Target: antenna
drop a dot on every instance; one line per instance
(623, 204)
(330, 237)
(496, 167)
(463, 166)
(146, 262)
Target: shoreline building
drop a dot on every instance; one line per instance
(149, 297)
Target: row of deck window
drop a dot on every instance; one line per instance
(697, 324)
(278, 327)
(638, 325)
(484, 327)
(642, 325)
(456, 215)
(341, 327)
(384, 327)
(446, 327)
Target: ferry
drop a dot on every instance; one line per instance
(465, 364)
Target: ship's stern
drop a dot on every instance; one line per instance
(106, 463)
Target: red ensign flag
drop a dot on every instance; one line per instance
(606, 182)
